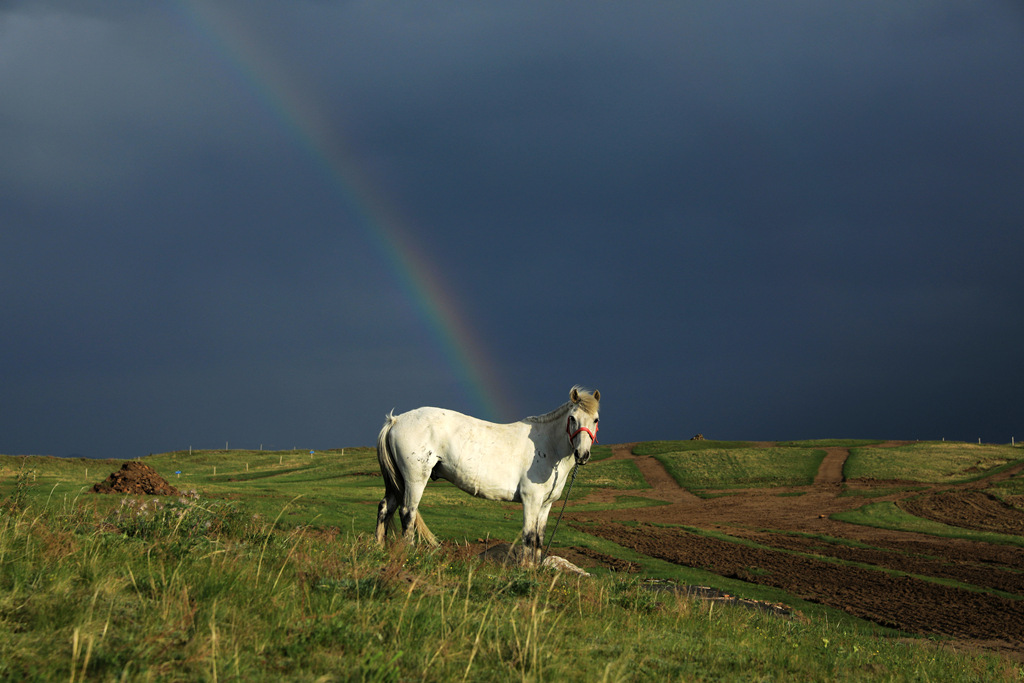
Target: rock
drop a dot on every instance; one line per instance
(504, 553)
(563, 565)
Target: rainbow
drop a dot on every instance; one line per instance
(384, 226)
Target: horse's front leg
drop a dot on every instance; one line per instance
(535, 518)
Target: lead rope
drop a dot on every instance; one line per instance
(564, 503)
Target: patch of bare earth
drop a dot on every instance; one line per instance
(806, 553)
(967, 509)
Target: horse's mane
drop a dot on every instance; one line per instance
(586, 401)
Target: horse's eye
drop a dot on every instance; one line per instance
(596, 420)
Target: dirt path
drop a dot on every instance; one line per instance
(896, 579)
(663, 486)
(831, 469)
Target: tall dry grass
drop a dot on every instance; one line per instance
(195, 589)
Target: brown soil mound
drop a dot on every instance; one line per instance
(136, 478)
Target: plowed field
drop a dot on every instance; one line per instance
(971, 591)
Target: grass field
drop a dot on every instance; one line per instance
(741, 467)
(254, 604)
(268, 573)
(929, 461)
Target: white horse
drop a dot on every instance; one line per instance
(526, 461)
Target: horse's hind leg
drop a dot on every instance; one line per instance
(385, 511)
(410, 508)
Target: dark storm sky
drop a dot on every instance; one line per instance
(752, 220)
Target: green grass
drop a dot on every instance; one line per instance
(660, 447)
(269, 574)
(743, 467)
(1012, 487)
(887, 515)
(830, 540)
(621, 503)
(612, 474)
(1010, 491)
(337, 488)
(139, 594)
(830, 443)
(930, 462)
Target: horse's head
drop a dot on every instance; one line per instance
(582, 423)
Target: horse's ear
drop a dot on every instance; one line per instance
(597, 395)
(574, 395)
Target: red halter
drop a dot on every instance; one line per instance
(572, 435)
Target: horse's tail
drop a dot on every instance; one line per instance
(394, 484)
(425, 533)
